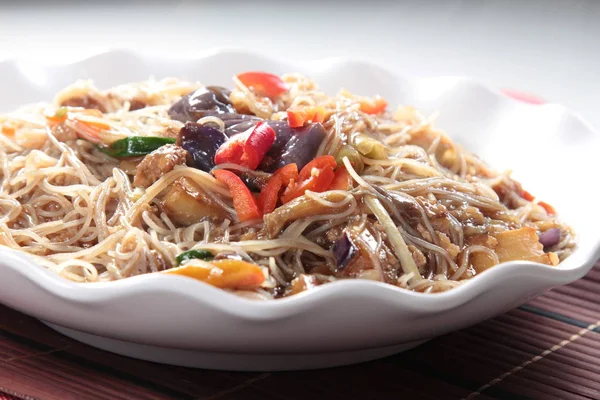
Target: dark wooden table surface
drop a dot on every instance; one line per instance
(546, 349)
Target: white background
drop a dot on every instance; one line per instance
(550, 48)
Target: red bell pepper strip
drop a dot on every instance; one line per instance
(269, 195)
(375, 105)
(263, 83)
(247, 149)
(318, 163)
(316, 176)
(243, 200)
(297, 117)
(288, 173)
(280, 179)
(342, 180)
(319, 182)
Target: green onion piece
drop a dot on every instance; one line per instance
(133, 146)
(191, 254)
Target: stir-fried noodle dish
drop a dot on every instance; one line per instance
(265, 189)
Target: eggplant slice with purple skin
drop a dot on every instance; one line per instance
(206, 101)
(292, 145)
(201, 143)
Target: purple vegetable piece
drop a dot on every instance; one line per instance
(238, 123)
(201, 142)
(343, 251)
(292, 145)
(550, 237)
(208, 100)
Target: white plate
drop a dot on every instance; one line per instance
(181, 321)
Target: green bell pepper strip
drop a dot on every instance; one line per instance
(133, 146)
(191, 254)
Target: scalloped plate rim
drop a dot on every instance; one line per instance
(246, 308)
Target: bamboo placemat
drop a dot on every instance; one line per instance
(546, 349)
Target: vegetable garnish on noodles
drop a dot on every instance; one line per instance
(270, 187)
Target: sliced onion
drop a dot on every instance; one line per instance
(394, 236)
(550, 237)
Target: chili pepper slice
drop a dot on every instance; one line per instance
(270, 193)
(342, 180)
(319, 181)
(318, 163)
(244, 202)
(263, 83)
(248, 148)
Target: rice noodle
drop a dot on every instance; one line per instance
(422, 211)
